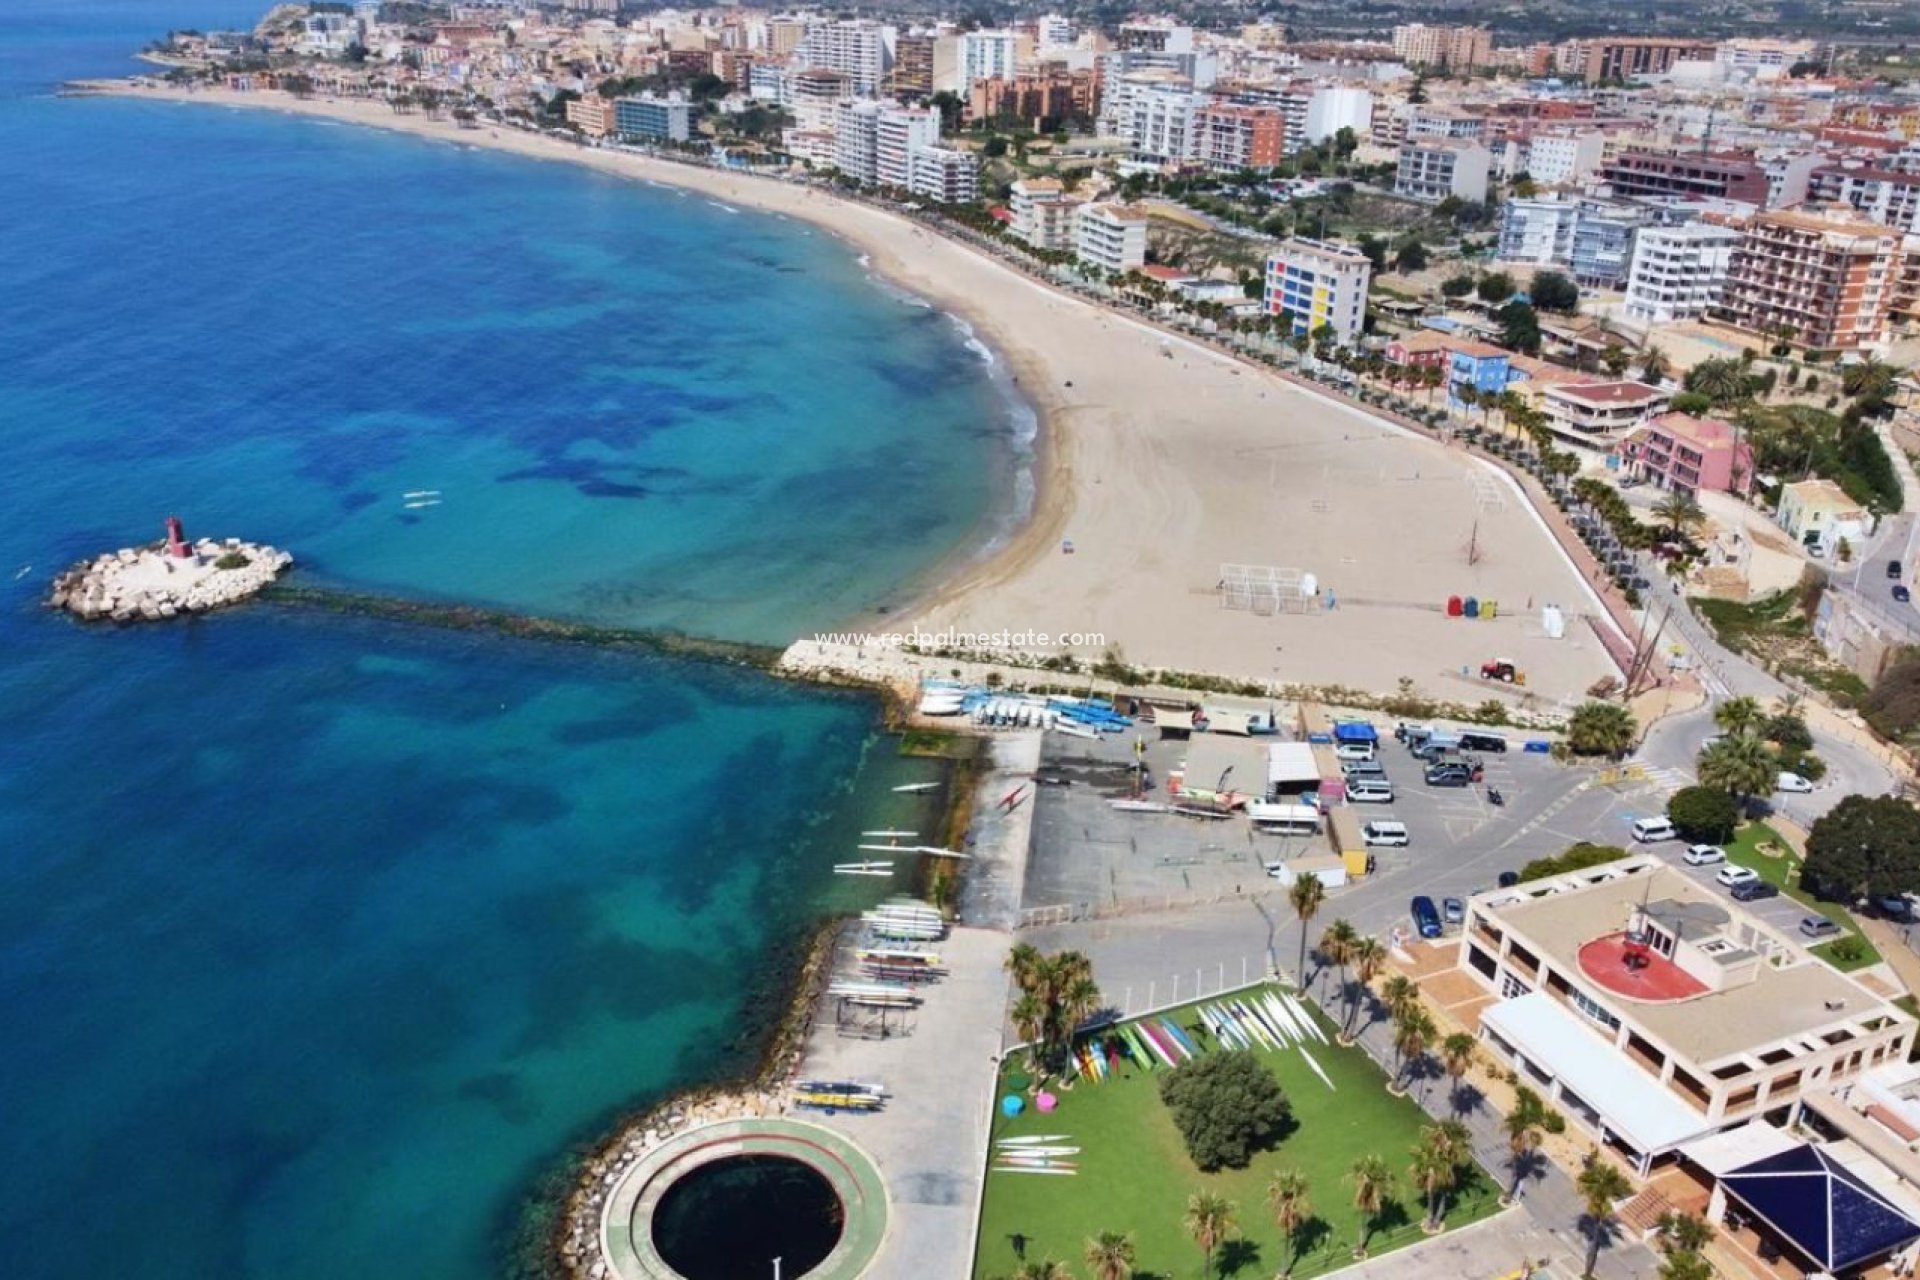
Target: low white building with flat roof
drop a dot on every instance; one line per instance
(1652, 1010)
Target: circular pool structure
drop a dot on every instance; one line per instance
(732, 1217)
(725, 1199)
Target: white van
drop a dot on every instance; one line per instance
(1384, 833)
(1354, 751)
(1370, 791)
(1652, 830)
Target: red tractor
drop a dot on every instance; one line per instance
(1501, 669)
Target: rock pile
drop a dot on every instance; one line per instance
(145, 584)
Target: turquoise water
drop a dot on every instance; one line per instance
(321, 940)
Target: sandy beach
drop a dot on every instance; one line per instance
(1161, 462)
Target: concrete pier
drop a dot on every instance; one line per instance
(167, 579)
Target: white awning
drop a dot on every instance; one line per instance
(1720, 1153)
(1632, 1103)
(1291, 763)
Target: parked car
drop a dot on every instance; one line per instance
(1754, 891)
(1363, 769)
(1392, 835)
(1893, 569)
(1508, 879)
(1640, 584)
(1452, 774)
(1355, 751)
(1703, 855)
(1792, 782)
(1819, 927)
(1650, 830)
(1426, 917)
(1733, 876)
(1493, 742)
(1453, 910)
(1901, 593)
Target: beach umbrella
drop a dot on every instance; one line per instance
(1012, 1105)
(1046, 1102)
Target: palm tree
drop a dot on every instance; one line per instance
(1336, 946)
(1678, 511)
(1654, 364)
(1372, 1184)
(1437, 1158)
(1601, 1187)
(1413, 1031)
(1685, 1265)
(1110, 1254)
(1287, 1197)
(1601, 728)
(1739, 764)
(1209, 1220)
(1306, 895)
(1029, 1017)
(1738, 715)
(1722, 381)
(1399, 993)
(1525, 1128)
(1367, 957)
(1683, 1232)
(1044, 1270)
(1457, 1053)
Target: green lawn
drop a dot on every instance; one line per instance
(1134, 1174)
(1784, 872)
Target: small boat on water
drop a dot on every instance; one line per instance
(863, 868)
(915, 787)
(908, 834)
(415, 506)
(421, 493)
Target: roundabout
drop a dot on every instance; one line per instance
(727, 1198)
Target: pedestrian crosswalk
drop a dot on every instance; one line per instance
(1659, 777)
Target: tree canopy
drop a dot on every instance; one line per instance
(1553, 291)
(1599, 728)
(1867, 847)
(1576, 858)
(1227, 1106)
(1457, 286)
(1495, 286)
(1893, 705)
(1519, 327)
(1705, 815)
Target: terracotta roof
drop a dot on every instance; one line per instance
(1709, 433)
(1612, 392)
(1167, 273)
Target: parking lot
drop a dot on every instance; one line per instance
(1091, 859)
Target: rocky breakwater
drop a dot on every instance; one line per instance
(165, 580)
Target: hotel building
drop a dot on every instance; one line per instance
(654, 119)
(1314, 283)
(1653, 1011)
(1824, 283)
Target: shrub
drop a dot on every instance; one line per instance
(1705, 815)
(1848, 950)
(232, 560)
(1226, 1106)
(1577, 858)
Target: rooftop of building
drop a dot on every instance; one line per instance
(1708, 433)
(1821, 492)
(1789, 995)
(1824, 222)
(1613, 393)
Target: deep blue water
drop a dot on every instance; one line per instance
(320, 939)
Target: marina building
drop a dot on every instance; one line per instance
(1678, 272)
(1112, 237)
(1826, 283)
(1654, 1012)
(1317, 282)
(654, 119)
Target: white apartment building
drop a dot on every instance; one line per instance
(986, 54)
(1112, 237)
(901, 132)
(856, 139)
(771, 83)
(1537, 230)
(1559, 159)
(1042, 213)
(944, 175)
(1339, 106)
(1317, 282)
(1435, 168)
(857, 47)
(1053, 31)
(1159, 128)
(1678, 272)
(814, 97)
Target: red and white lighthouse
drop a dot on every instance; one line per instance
(177, 540)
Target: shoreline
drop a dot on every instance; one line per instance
(1018, 379)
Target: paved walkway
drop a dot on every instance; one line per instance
(930, 1141)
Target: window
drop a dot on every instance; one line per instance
(1594, 1010)
(1511, 987)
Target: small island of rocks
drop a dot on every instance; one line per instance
(167, 578)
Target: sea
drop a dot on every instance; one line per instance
(325, 939)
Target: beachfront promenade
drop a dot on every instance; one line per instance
(930, 1141)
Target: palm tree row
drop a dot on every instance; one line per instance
(1360, 959)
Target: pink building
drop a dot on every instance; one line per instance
(1692, 455)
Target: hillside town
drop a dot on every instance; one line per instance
(1629, 965)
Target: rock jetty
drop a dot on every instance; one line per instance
(167, 579)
